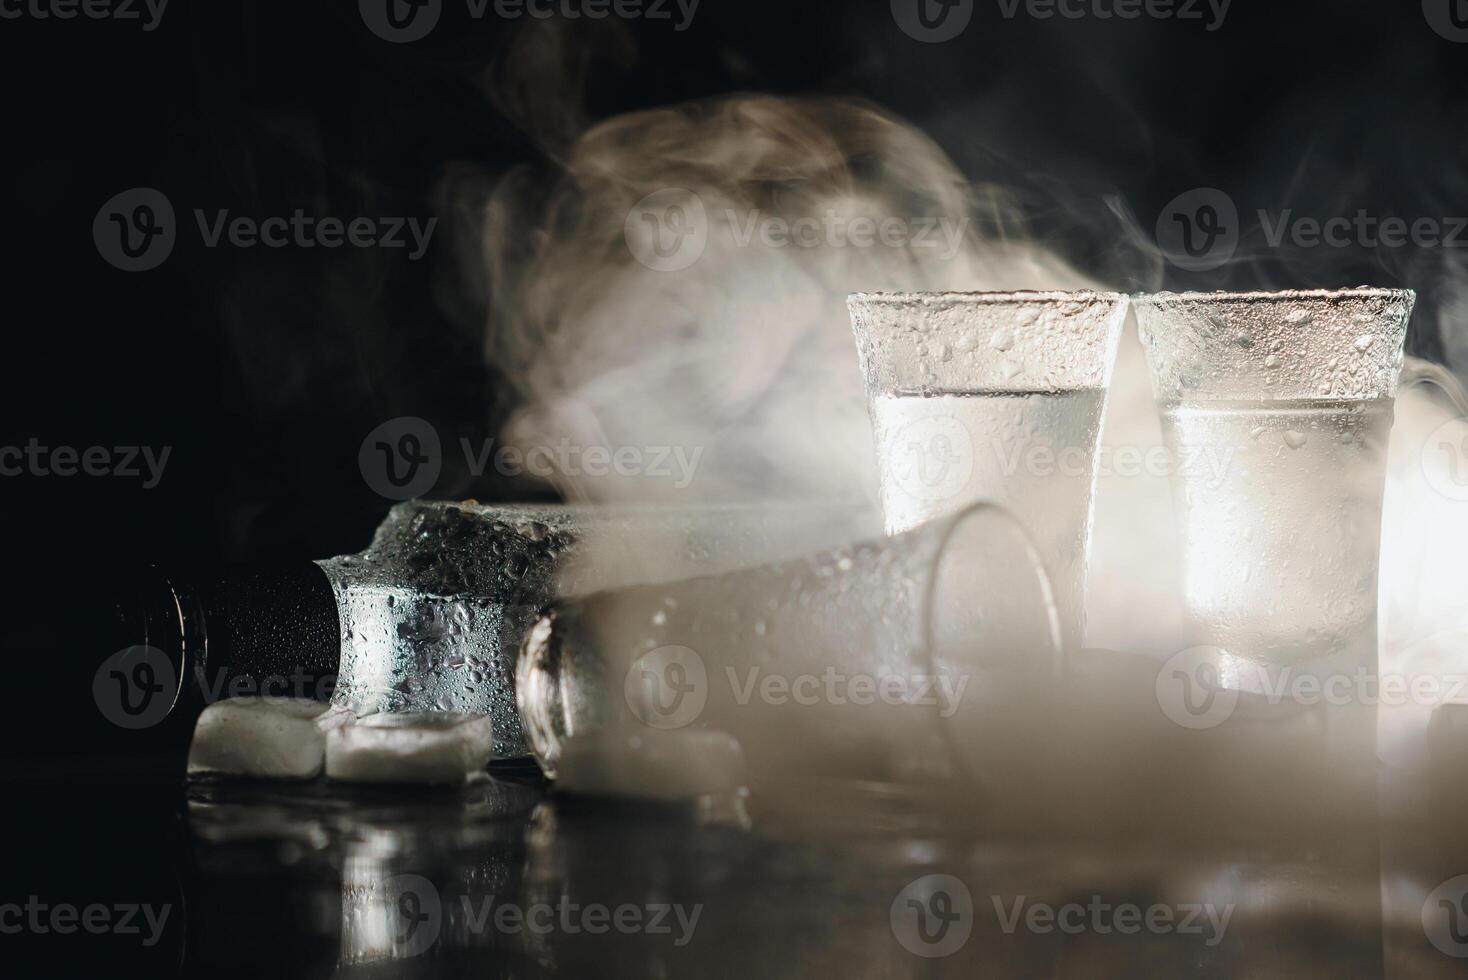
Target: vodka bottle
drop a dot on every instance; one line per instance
(429, 617)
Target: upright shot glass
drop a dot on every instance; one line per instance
(993, 396)
(1290, 395)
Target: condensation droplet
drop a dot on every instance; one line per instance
(1295, 439)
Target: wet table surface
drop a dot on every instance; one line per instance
(508, 879)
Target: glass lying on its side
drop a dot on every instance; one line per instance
(902, 658)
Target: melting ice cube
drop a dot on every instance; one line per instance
(260, 736)
(412, 747)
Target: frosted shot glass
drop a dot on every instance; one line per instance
(1290, 395)
(903, 659)
(993, 396)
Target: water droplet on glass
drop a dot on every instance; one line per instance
(1295, 439)
(1003, 339)
(1272, 361)
(1364, 342)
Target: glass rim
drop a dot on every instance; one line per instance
(1269, 296)
(987, 296)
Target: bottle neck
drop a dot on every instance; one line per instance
(129, 676)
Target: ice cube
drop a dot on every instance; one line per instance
(259, 736)
(411, 747)
(671, 765)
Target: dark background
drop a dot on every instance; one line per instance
(264, 369)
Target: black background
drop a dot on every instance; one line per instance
(263, 369)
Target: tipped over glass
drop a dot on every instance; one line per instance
(995, 396)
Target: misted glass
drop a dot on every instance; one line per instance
(993, 396)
